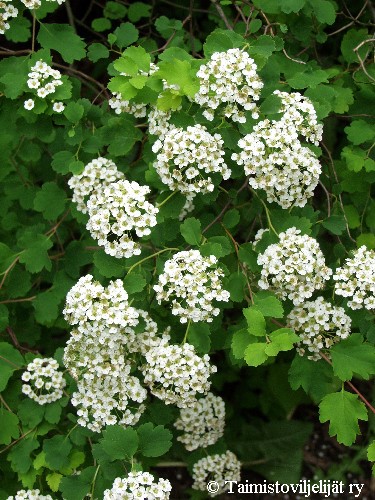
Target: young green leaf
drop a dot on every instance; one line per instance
(255, 354)
(342, 410)
(351, 356)
(191, 231)
(255, 321)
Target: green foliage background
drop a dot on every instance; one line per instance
(321, 48)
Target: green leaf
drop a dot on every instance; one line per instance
(50, 200)
(53, 480)
(180, 73)
(101, 24)
(61, 160)
(10, 360)
(235, 286)
(367, 239)
(311, 77)
(255, 321)
(154, 441)
(74, 112)
(74, 487)
(350, 41)
(255, 354)
(335, 224)
(4, 317)
(138, 10)
(168, 100)
(119, 443)
(139, 56)
(263, 46)
(360, 131)
(371, 452)
(34, 255)
(199, 336)
(352, 216)
(342, 410)
(354, 157)
(57, 451)
(268, 305)
(240, 341)
(20, 454)
(62, 38)
(191, 231)
(134, 282)
(166, 27)
(231, 218)
(9, 426)
(52, 412)
(13, 75)
(114, 10)
(126, 34)
(109, 266)
(97, 51)
(30, 412)
(351, 356)
(289, 6)
(315, 377)
(324, 11)
(281, 340)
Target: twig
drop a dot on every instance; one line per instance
(328, 199)
(222, 15)
(362, 61)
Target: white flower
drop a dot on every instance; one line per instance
(185, 157)
(96, 175)
(29, 495)
(58, 107)
(176, 374)
(138, 485)
(229, 83)
(117, 212)
(44, 383)
(356, 279)
(193, 285)
(319, 325)
(42, 78)
(294, 268)
(29, 104)
(220, 468)
(202, 422)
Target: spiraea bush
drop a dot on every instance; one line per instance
(187, 250)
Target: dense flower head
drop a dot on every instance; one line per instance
(7, 11)
(176, 374)
(356, 279)
(186, 156)
(202, 422)
(116, 212)
(138, 485)
(29, 495)
(229, 82)
(44, 383)
(192, 282)
(97, 174)
(299, 113)
(294, 267)
(158, 122)
(109, 399)
(220, 468)
(277, 163)
(319, 325)
(43, 79)
(89, 301)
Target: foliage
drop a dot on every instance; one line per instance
(106, 53)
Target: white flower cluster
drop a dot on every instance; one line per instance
(202, 422)
(29, 495)
(88, 301)
(105, 399)
(294, 267)
(7, 11)
(158, 122)
(44, 383)
(229, 78)
(116, 212)
(220, 468)
(185, 156)
(319, 325)
(356, 279)
(97, 353)
(97, 174)
(176, 374)
(35, 4)
(193, 285)
(44, 80)
(299, 113)
(287, 171)
(138, 485)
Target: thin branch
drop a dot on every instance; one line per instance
(222, 14)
